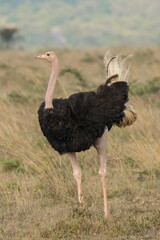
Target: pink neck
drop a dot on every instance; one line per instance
(51, 84)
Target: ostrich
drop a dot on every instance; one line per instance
(84, 119)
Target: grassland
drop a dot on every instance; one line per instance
(37, 190)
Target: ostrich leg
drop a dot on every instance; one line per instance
(77, 175)
(101, 147)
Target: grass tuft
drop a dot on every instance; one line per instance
(11, 164)
(77, 74)
(152, 86)
(17, 97)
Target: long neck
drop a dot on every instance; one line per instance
(51, 85)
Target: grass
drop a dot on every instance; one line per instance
(38, 196)
(152, 86)
(10, 164)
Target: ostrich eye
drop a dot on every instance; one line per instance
(48, 54)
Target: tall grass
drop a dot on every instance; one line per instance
(38, 192)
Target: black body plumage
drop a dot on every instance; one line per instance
(74, 124)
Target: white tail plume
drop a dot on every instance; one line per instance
(115, 65)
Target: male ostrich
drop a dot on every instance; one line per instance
(83, 120)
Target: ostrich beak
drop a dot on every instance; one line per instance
(41, 56)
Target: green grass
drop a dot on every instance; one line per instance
(17, 98)
(152, 86)
(10, 164)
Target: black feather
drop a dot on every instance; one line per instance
(74, 124)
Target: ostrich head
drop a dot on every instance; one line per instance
(49, 56)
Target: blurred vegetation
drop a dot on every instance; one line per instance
(7, 35)
(17, 97)
(76, 74)
(151, 86)
(84, 23)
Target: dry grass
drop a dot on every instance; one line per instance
(37, 189)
